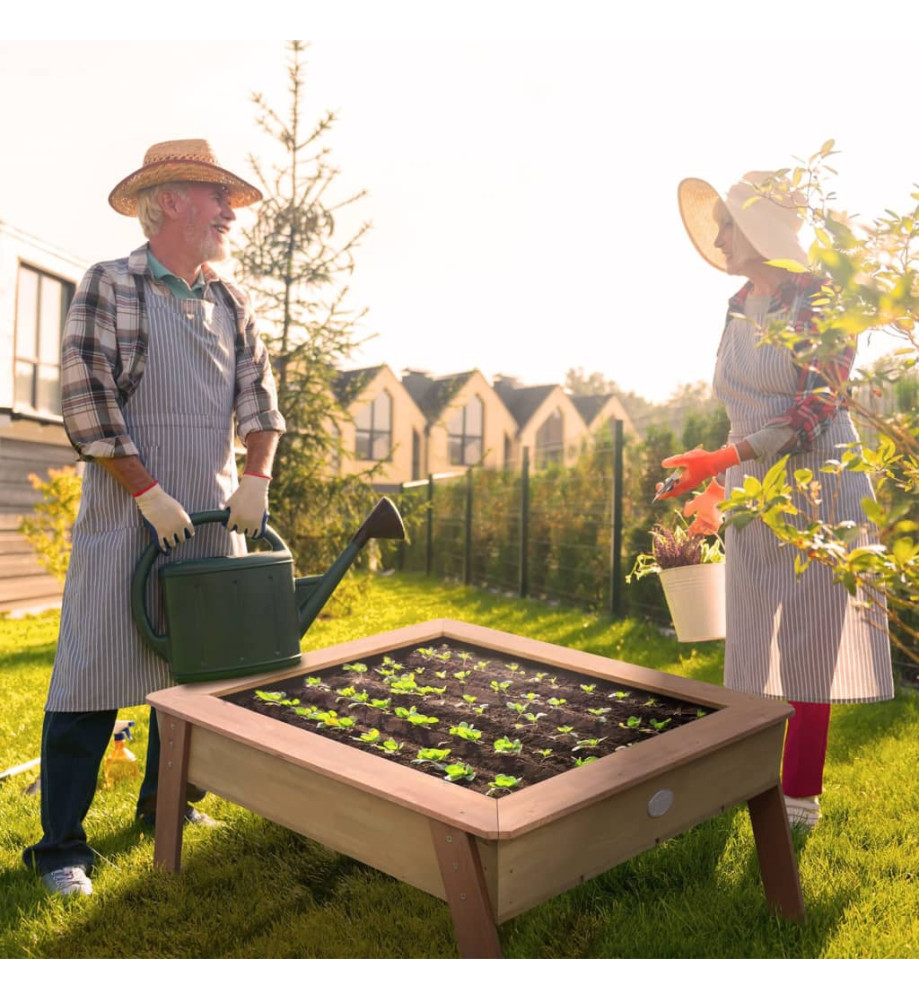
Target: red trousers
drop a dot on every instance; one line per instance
(805, 749)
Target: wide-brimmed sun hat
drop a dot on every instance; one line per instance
(180, 160)
(770, 221)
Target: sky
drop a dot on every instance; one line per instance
(521, 166)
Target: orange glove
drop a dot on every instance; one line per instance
(700, 465)
(705, 507)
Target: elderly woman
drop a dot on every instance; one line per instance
(800, 639)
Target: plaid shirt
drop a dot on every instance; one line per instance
(816, 401)
(104, 350)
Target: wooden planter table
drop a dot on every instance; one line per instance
(490, 859)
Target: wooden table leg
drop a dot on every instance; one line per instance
(467, 894)
(170, 793)
(777, 863)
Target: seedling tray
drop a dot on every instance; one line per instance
(489, 858)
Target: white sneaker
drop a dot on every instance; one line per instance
(803, 813)
(67, 881)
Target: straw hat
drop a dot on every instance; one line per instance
(771, 222)
(180, 160)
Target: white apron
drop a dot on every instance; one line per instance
(181, 419)
(801, 639)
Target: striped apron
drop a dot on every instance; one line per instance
(181, 419)
(800, 639)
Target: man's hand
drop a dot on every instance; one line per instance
(164, 516)
(248, 506)
(708, 519)
(699, 465)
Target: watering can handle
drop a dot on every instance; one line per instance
(157, 642)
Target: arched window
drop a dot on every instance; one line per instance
(466, 434)
(550, 440)
(373, 441)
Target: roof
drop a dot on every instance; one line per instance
(523, 401)
(432, 395)
(347, 385)
(590, 406)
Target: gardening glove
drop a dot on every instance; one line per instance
(705, 506)
(248, 506)
(165, 517)
(699, 465)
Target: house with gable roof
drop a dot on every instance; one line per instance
(466, 422)
(599, 412)
(387, 427)
(548, 422)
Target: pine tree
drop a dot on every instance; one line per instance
(298, 267)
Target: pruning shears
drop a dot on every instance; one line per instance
(667, 485)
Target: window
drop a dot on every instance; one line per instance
(41, 305)
(374, 429)
(465, 435)
(550, 440)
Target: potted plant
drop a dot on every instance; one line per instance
(691, 569)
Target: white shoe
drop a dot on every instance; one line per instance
(67, 881)
(803, 813)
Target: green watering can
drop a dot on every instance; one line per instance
(231, 616)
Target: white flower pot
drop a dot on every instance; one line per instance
(695, 596)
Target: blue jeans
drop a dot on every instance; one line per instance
(72, 747)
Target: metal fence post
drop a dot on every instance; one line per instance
(467, 547)
(615, 574)
(524, 522)
(429, 528)
(400, 550)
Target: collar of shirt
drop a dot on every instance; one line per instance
(178, 286)
(796, 286)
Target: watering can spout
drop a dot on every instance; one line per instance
(312, 592)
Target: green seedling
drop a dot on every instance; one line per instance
(481, 665)
(503, 783)
(415, 717)
(541, 675)
(431, 690)
(515, 667)
(371, 736)
(430, 755)
(470, 699)
(479, 709)
(332, 720)
(557, 702)
(389, 746)
(633, 722)
(650, 703)
(700, 714)
(444, 657)
(277, 698)
(426, 652)
(504, 745)
(458, 772)
(314, 682)
(588, 743)
(588, 688)
(659, 725)
(599, 712)
(534, 717)
(553, 682)
(403, 685)
(465, 732)
(381, 703)
(516, 706)
(546, 752)
(440, 674)
(464, 656)
(620, 694)
(531, 696)
(355, 668)
(500, 686)
(564, 730)
(580, 761)
(346, 692)
(360, 698)
(462, 675)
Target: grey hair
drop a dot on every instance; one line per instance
(149, 211)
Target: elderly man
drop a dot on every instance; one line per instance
(159, 355)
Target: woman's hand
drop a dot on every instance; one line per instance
(708, 519)
(699, 465)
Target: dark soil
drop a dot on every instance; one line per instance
(593, 709)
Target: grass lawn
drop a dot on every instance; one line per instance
(254, 890)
